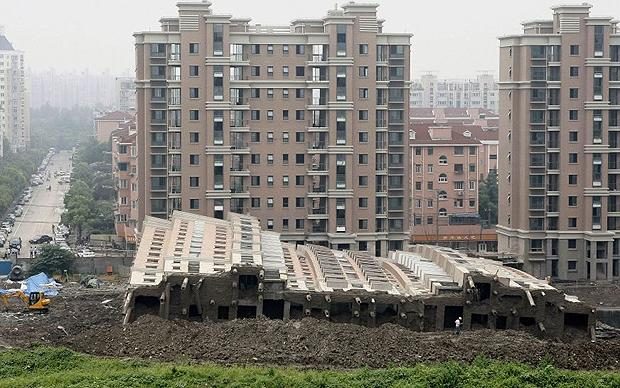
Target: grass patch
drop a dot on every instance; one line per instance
(58, 367)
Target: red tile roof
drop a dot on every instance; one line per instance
(116, 116)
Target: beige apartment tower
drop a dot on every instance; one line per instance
(559, 163)
(302, 126)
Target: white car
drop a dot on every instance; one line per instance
(85, 253)
(59, 239)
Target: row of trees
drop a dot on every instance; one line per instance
(89, 202)
(15, 172)
(488, 200)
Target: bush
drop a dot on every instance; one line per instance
(52, 260)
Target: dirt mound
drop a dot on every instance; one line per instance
(317, 343)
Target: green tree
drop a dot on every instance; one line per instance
(51, 259)
(488, 199)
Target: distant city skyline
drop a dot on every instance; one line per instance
(451, 39)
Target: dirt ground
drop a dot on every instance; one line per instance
(601, 294)
(90, 321)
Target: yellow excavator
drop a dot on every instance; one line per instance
(36, 301)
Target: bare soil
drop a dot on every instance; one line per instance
(79, 320)
(601, 294)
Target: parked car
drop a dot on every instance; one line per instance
(40, 239)
(15, 243)
(18, 212)
(85, 253)
(2, 241)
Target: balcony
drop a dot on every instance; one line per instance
(318, 123)
(238, 144)
(319, 167)
(236, 123)
(317, 58)
(319, 211)
(239, 167)
(318, 188)
(235, 189)
(318, 145)
(236, 100)
(175, 189)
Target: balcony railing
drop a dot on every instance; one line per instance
(318, 188)
(238, 189)
(320, 210)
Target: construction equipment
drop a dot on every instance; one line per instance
(36, 301)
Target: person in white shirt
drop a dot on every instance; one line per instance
(457, 325)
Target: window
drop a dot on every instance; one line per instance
(193, 71)
(573, 115)
(572, 179)
(443, 160)
(363, 115)
(255, 71)
(284, 93)
(194, 181)
(443, 178)
(472, 167)
(363, 137)
(255, 137)
(285, 137)
(255, 202)
(443, 212)
(363, 93)
(193, 93)
(255, 158)
(341, 40)
(573, 136)
(193, 48)
(270, 71)
(269, 158)
(300, 49)
(363, 224)
(572, 157)
(194, 137)
(299, 180)
(255, 49)
(364, 49)
(255, 180)
(572, 265)
(300, 115)
(459, 150)
(285, 114)
(574, 49)
(255, 115)
(194, 160)
(363, 158)
(300, 137)
(429, 185)
(300, 202)
(194, 115)
(285, 181)
(572, 243)
(299, 223)
(285, 159)
(270, 93)
(574, 71)
(362, 203)
(269, 137)
(255, 93)
(285, 73)
(194, 203)
(363, 71)
(270, 114)
(429, 151)
(285, 49)
(270, 49)
(363, 181)
(300, 93)
(269, 180)
(573, 92)
(429, 168)
(299, 158)
(572, 222)
(418, 186)
(572, 200)
(285, 202)
(300, 71)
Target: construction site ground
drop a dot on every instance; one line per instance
(90, 321)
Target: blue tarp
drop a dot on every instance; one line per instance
(41, 283)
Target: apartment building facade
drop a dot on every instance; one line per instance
(14, 100)
(302, 126)
(125, 94)
(448, 162)
(124, 171)
(429, 91)
(559, 192)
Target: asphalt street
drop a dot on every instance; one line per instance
(45, 207)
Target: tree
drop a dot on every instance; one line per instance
(52, 259)
(488, 199)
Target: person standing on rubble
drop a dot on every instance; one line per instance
(457, 325)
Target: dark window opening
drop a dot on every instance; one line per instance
(340, 312)
(527, 321)
(246, 312)
(317, 313)
(146, 305)
(297, 311)
(501, 322)
(194, 315)
(223, 312)
(386, 313)
(576, 321)
(484, 291)
(248, 282)
(273, 309)
(451, 313)
(430, 316)
(479, 321)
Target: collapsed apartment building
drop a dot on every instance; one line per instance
(200, 268)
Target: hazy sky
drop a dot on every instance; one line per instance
(454, 38)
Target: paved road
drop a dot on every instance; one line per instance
(45, 207)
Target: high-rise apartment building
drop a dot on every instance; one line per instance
(75, 88)
(303, 126)
(432, 92)
(14, 105)
(559, 165)
(125, 94)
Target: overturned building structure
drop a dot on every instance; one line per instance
(200, 268)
